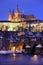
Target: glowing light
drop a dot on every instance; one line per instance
(13, 48)
(34, 58)
(14, 55)
(19, 47)
(11, 26)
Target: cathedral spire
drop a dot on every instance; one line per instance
(10, 15)
(10, 12)
(13, 12)
(23, 12)
(17, 9)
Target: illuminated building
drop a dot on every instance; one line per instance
(20, 24)
(17, 16)
(17, 20)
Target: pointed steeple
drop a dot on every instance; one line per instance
(17, 13)
(23, 11)
(10, 15)
(10, 12)
(17, 9)
(13, 12)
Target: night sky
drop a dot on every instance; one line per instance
(29, 6)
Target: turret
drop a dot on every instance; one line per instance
(14, 16)
(23, 12)
(17, 13)
(10, 16)
(17, 9)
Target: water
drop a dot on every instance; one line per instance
(21, 59)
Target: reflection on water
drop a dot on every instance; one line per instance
(14, 55)
(34, 58)
(20, 59)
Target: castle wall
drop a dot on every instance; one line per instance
(17, 25)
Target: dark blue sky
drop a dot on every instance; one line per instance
(30, 7)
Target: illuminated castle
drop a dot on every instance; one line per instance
(17, 16)
(22, 28)
(17, 20)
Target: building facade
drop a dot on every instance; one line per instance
(17, 20)
(19, 29)
(17, 16)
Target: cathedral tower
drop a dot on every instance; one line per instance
(14, 16)
(10, 16)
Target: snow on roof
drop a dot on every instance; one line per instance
(27, 46)
(39, 45)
